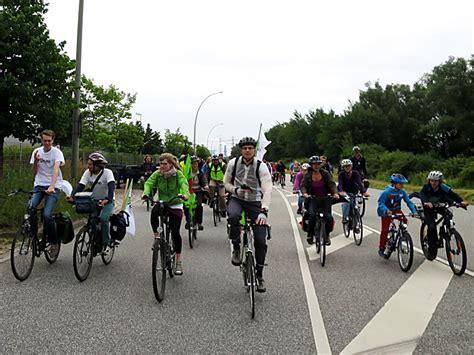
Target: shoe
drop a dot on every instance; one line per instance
(440, 243)
(298, 211)
(236, 256)
(310, 239)
(179, 269)
(105, 249)
(328, 241)
(53, 250)
(345, 220)
(200, 227)
(261, 285)
(186, 226)
(381, 252)
(223, 214)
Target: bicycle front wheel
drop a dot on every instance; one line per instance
(83, 254)
(22, 255)
(251, 283)
(357, 227)
(456, 253)
(405, 251)
(215, 212)
(362, 209)
(322, 243)
(190, 235)
(158, 270)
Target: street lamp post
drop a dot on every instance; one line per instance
(197, 113)
(217, 125)
(139, 114)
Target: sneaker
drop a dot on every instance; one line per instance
(381, 252)
(223, 214)
(328, 241)
(105, 249)
(440, 242)
(298, 211)
(179, 269)
(261, 285)
(53, 250)
(344, 220)
(310, 239)
(236, 256)
(186, 226)
(200, 227)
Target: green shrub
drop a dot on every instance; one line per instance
(466, 177)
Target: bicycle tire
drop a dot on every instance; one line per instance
(317, 242)
(22, 267)
(158, 270)
(190, 235)
(83, 254)
(362, 211)
(357, 228)
(424, 243)
(345, 227)
(405, 251)
(107, 257)
(147, 205)
(215, 212)
(322, 241)
(51, 259)
(460, 249)
(251, 283)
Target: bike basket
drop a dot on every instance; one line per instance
(64, 227)
(85, 203)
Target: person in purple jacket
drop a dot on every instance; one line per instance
(349, 184)
(297, 186)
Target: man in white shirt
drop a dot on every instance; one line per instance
(46, 161)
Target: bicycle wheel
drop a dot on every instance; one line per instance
(147, 205)
(317, 242)
(346, 227)
(158, 269)
(108, 256)
(251, 283)
(215, 212)
(322, 243)
(456, 253)
(190, 234)
(405, 251)
(357, 227)
(83, 254)
(51, 258)
(424, 243)
(362, 209)
(22, 255)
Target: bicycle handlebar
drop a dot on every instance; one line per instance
(20, 190)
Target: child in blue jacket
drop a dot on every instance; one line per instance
(390, 201)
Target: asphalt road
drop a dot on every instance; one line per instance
(357, 301)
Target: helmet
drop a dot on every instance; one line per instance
(305, 166)
(435, 175)
(315, 159)
(398, 178)
(355, 148)
(215, 157)
(346, 162)
(98, 158)
(194, 158)
(247, 141)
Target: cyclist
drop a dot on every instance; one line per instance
(199, 188)
(358, 163)
(215, 176)
(350, 184)
(46, 161)
(148, 167)
(390, 202)
(250, 184)
(326, 164)
(297, 186)
(102, 180)
(436, 191)
(170, 182)
(295, 169)
(318, 182)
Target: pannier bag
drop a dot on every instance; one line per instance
(118, 225)
(64, 227)
(85, 203)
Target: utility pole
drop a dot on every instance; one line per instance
(76, 119)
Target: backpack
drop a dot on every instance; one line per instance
(64, 227)
(257, 172)
(118, 225)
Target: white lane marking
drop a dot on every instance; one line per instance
(292, 195)
(418, 250)
(414, 304)
(294, 203)
(337, 243)
(319, 331)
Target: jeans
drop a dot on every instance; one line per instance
(104, 222)
(300, 200)
(346, 206)
(49, 205)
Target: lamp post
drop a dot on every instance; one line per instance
(217, 125)
(139, 114)
(197, 113)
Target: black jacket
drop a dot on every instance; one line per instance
(359, 165)
(443, 194)
(329, 184)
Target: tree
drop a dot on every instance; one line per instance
(35, 75)
(202, 151)
(129, 138)
(177, 143)
(152, 142)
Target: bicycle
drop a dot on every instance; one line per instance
(216, 212)
(27, 244)
(247, 262)
(453, 242)
(354, 221)
(400, 239)
(319, 232)
(192, 230)
(88, 243)
(164, 256)
(282, 180)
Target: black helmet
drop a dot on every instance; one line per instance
(315, 159)
(247, 141)
(97, 158)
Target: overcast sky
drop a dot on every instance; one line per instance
(269, 58)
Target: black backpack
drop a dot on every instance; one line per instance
(118, 225)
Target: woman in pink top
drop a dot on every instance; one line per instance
(297, 186)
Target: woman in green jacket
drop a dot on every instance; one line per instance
(170, 181)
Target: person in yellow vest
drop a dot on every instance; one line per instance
(215, 176)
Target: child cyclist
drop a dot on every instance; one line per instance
(390, 202)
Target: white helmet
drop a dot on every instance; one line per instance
(98, 158)
(305, 166)
(435, 175)
(346, 162)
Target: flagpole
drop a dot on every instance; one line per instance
(259, 132)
